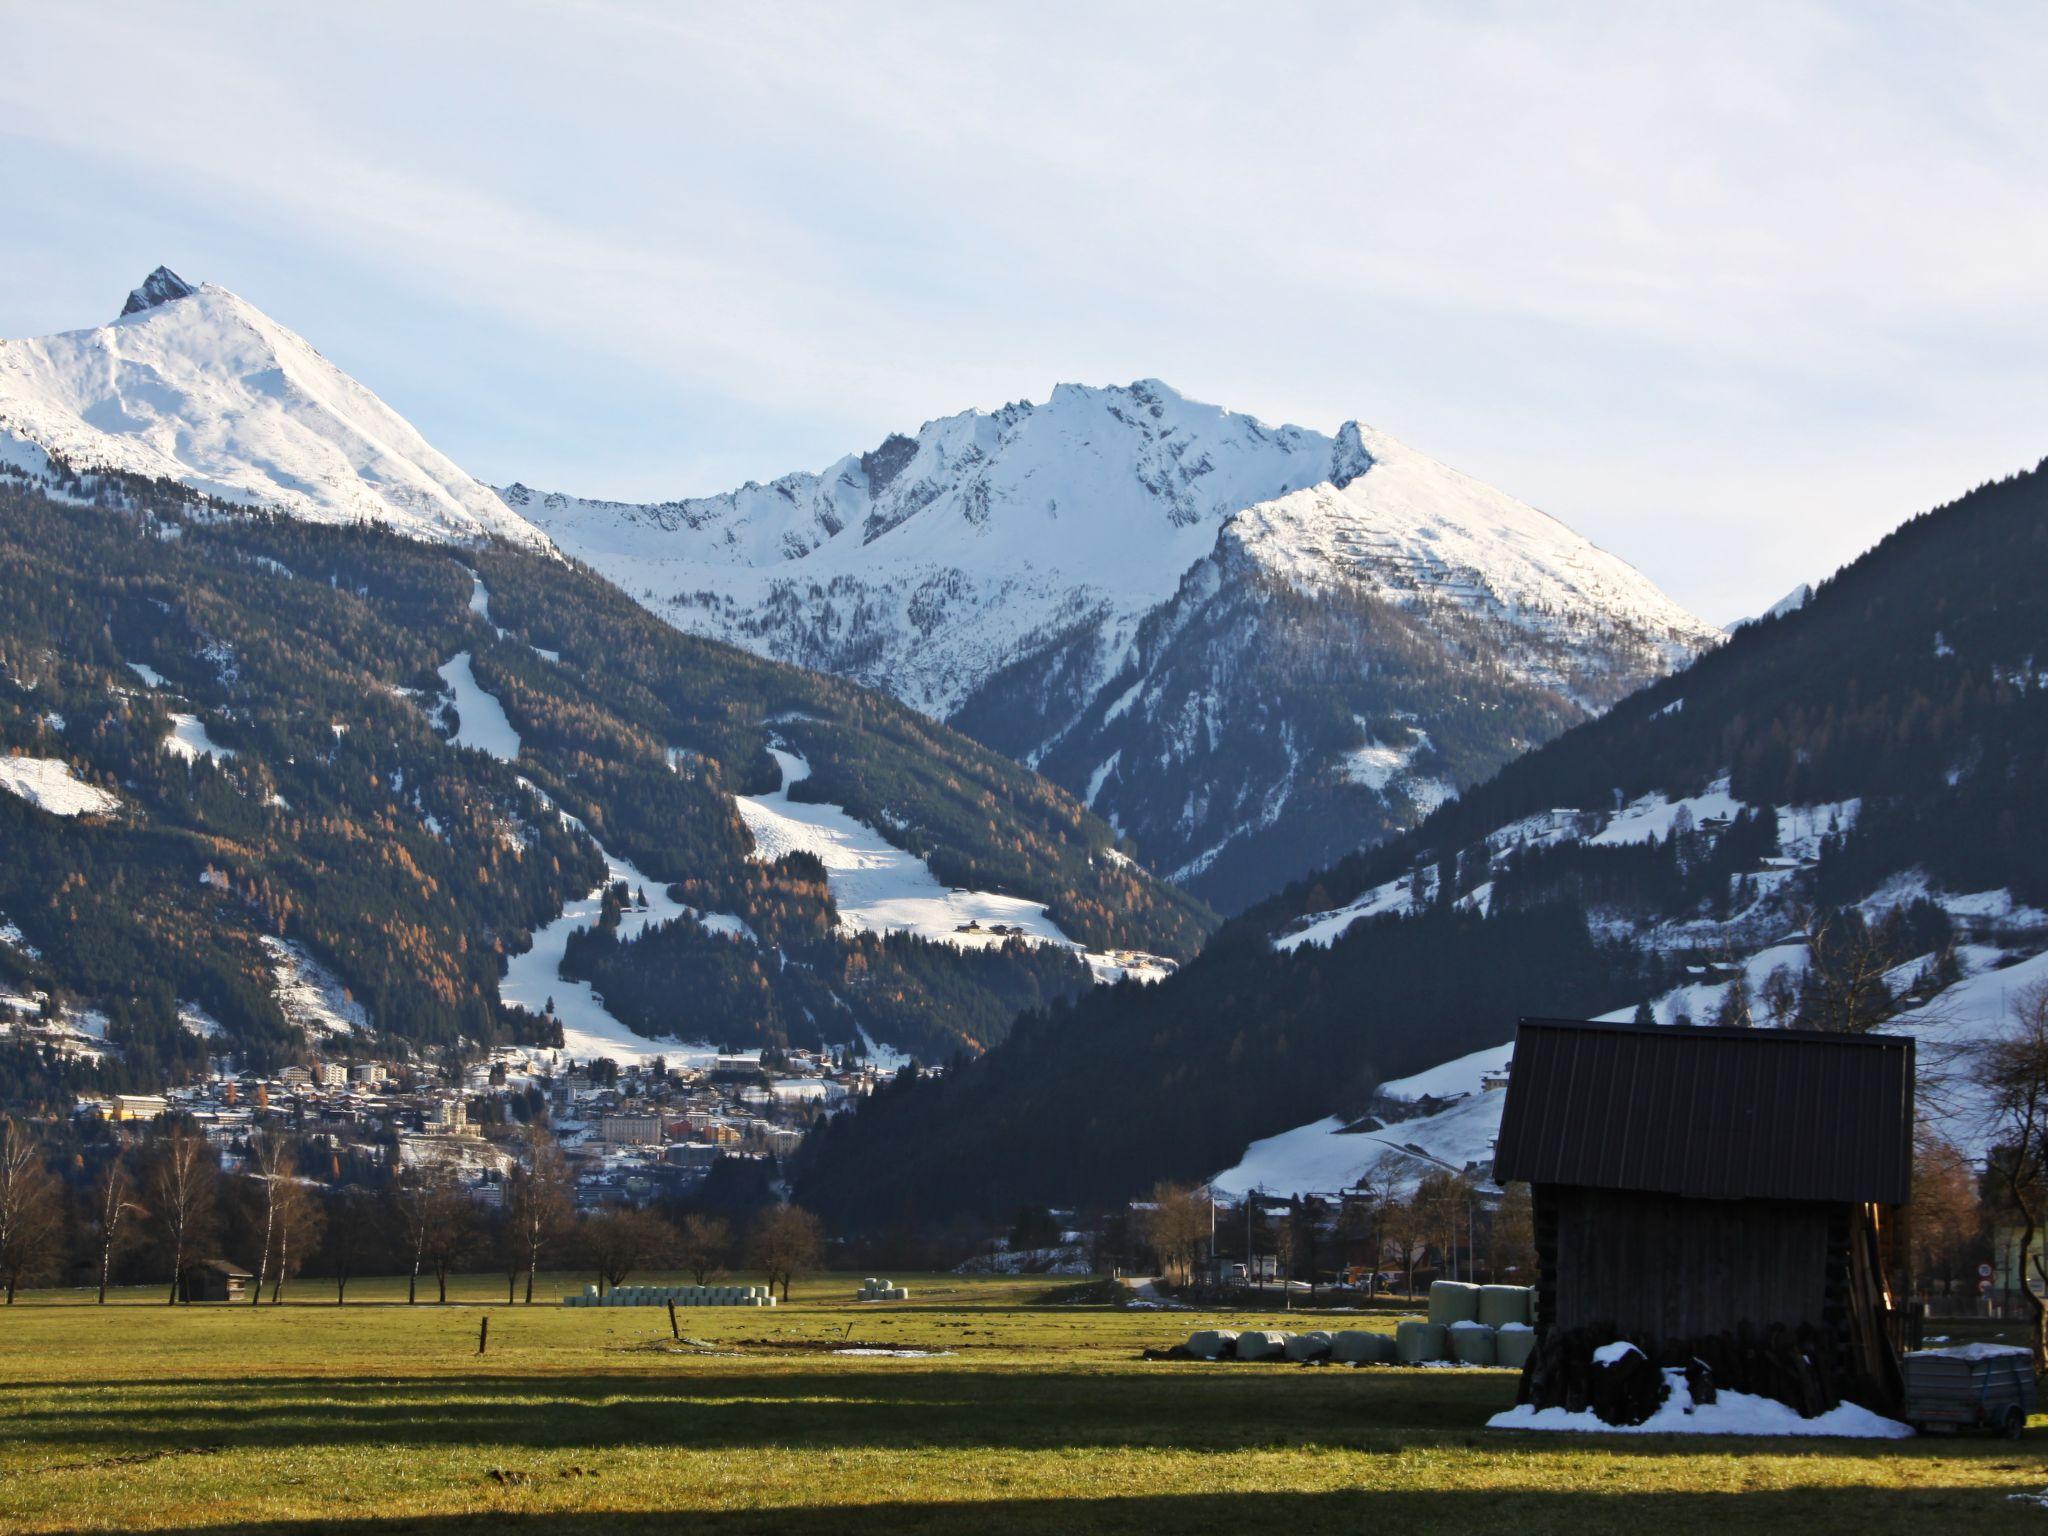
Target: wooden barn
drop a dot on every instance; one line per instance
(216, 1280)
(1694, 1186)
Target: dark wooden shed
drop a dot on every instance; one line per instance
(216, 1280)
(1692, 1184)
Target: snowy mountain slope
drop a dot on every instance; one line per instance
(198, 386)
(927, 564)
(1193, 620)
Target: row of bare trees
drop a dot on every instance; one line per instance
(166, 1191)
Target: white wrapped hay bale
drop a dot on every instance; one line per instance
(1313, 1345)
(1471, 1343)
(1361, 1346)
(1453, 1301)
(1212, 1343)
(1416, 1342)
(1500, 1305)
(1262, 1344)
(1514, 1344)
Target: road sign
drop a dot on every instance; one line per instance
(1983, 1287)
(1983, 1271)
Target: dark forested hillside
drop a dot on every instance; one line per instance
(1910, 695)
(324, 802)
(1914, 679)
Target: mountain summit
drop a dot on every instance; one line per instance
(198, 386)
(1208, 627)
(160, 287)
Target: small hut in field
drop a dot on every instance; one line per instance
(1707, 1191)
(216, 1280)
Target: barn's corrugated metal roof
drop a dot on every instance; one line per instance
(1773, 1114)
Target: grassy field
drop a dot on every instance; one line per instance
(1038, 1416)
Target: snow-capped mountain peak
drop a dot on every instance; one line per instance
(1413, 531)
(1096, 585)
(160, 287)
(196, 385)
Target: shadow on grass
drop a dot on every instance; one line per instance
(1820, 1512)
(726, 1405)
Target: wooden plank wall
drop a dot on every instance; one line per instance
(1660, 1266)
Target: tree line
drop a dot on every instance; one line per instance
(139, 1208)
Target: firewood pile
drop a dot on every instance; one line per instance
(1582, 1369)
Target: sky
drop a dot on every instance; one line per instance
(1731, 289)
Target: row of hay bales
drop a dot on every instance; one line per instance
(1467, 1325)
(1346, 1346)
(881, 1290)
(681, 1295)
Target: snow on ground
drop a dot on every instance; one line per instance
(878, 887)
(484, 725)
(1731, 1413)
(1952, 1030)
(1327, 927)
(149, 675)
(589, 1030)
(188, 739)
(49, 784)
(12, 936)
(195, 1020)
(201, 387)
(1323, 1158)
(1376, 764)
(312, 996)
(1651, 817)
(1464, 1075)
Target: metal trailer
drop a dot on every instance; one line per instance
(1967, 1390)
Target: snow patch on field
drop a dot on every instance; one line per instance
(48, 784)
(1731, 1413)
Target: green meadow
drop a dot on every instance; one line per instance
(1035, 1411)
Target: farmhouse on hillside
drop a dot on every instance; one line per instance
(1696, 1189)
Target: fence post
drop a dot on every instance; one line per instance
(483, 1334)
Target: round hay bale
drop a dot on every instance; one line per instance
(1453, 1301)
(1471, 1343)
(1514, 1344)
(1313, 1345)
(1361, 1346)
(1261, 1344)
(1500, 1305)
(1416, 1341)
(1212, 1343)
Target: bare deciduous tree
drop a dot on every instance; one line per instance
(30, 1216)
(180, 1187)
(271, 1155)
(620, 1240)
(538, 1205)
(1177, 1226)
(113, 1204)
(424, 1198)
(704, 1246)
(786, 1241)
(2013, 1073)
